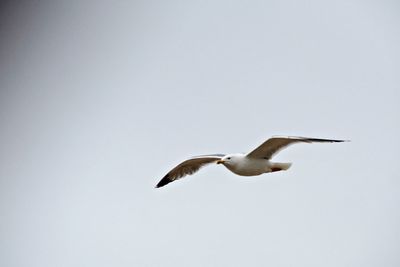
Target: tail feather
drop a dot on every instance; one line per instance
(280, 166)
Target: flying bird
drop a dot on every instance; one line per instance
(251, 164)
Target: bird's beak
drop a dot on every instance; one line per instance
(220, 161)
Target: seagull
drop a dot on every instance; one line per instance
(251, 164)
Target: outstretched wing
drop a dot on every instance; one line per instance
(188, 167)
(275, 144)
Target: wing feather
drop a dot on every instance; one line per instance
(188, 167)
(275, 144)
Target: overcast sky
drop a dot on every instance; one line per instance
(98, 100)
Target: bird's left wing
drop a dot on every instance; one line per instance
(275, 144)
(188, 167)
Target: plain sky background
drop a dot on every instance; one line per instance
(99, 99)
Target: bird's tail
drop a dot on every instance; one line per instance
(280, 166)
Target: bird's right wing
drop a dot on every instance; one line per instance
(275, 144)
(188, 167)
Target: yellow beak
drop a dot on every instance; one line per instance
(220, 161)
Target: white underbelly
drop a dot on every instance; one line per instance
(251, 168)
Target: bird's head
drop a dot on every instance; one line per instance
(228, 159)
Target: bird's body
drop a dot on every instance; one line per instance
(254, 163)
(242, 165)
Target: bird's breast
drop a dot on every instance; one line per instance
(249, 167)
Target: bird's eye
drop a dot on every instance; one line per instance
(229, 158)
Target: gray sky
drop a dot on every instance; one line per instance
(100, 99)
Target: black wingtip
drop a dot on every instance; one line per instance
(164, 181)
(327, 140)
(339, 141)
